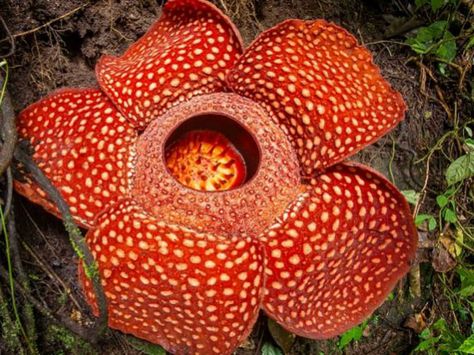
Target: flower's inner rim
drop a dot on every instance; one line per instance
(227, 133)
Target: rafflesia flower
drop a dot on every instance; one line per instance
(212, 180)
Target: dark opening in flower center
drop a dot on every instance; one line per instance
(211, 152)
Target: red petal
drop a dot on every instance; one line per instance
(337, 252)
(187, 52)
(193, 293)
(323, 87)
(83, 144)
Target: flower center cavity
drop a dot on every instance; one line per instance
(211, 152)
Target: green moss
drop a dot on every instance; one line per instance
(68, 342)
(9, 331)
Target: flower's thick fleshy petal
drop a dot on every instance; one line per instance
(83, 144)
(336, 253)
(323, 87)
(193, 293)
(187, 52)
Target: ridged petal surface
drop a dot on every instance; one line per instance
(336, 253)
(187, 52)
(323, 88)
(83, 145)
(193, 293)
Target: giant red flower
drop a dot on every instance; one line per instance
(212, 180)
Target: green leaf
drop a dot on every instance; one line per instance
(470, 144)
(467, 281)
(459, 238)
(468, 345)
(425, 334)
(270, 349)
(450, 216)
(417, 46)
(412, 196)
(145, 347)
(434, 39)
(442, 68)
(437, 4)
(427, 344)
(433, 31)
(441, 325)
(419, 219)
(351, 335)
(447, 49)
(466, 128)
(442, 200)
(347, 338)
(467, 291)
(460, 169)
(470, 43)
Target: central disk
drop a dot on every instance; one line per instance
(205, 160)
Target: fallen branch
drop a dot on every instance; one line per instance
(77, 240)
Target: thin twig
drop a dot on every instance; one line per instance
(51, 274)
(10, 38)
(46, 24)
(40, 232)
(75, 237)
(415, 274)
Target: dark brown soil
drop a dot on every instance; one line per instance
(63, 54)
